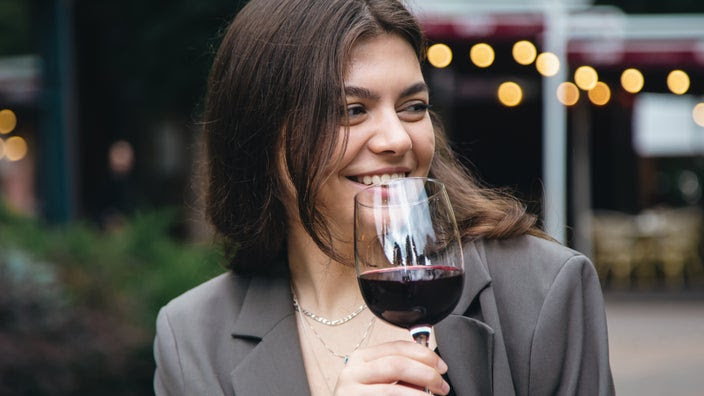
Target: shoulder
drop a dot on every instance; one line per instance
(209, 307)
(526, 272)
(545, 296)
(529, 261)
(191, 349)
(225, 290)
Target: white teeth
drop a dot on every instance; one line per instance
(377, 179)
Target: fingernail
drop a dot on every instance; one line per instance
(445, 388)
(442, 366)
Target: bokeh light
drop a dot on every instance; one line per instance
(15, 148)
(586, 77)
(547, 64)
(568, 93)
(632, 80)
(510, 94)
(2, 148)
(524, 52)
(121, 157)
(678, 82)
(482, 55)
(600, 94)
(439, 55)
(8, 121)
(698, 114)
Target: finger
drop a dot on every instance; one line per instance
(397, 368)
(403, 348)
(397, 389)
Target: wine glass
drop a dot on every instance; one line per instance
(408, 253)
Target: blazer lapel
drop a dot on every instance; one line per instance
(274, 365)
(466, 346)
(473, 350)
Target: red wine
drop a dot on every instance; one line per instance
(412, 296)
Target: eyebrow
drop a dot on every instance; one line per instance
(364, 93)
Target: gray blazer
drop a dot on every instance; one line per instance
(530, 321)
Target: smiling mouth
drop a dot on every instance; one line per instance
(377, 179)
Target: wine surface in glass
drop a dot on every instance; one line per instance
(414, 295)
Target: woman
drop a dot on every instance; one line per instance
(307, 101)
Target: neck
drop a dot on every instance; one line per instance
(322, 285)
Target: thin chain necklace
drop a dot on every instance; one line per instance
(344, 357)
(325, 321)
(305, 323)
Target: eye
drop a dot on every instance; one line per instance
(418, 107)
(355, 110)
(355, 113)
(414, 111)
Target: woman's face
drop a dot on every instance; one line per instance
(390, 132)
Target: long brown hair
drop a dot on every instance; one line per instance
(276, 88)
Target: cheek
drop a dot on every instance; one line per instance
(424, 144)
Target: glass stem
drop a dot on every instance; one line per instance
(421, 335)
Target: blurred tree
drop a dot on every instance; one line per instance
(15, 28)
(141, 64)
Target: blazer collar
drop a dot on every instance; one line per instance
(274, 365)
(476, 277)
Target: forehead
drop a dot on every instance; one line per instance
(381, 50)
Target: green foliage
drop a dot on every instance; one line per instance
(15, 28)
(78, 305)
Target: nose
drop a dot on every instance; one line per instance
(390, 136)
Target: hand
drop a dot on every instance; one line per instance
(393, 368)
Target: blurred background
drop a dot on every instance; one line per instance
(590, 111)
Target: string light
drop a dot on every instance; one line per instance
(632, 80)
(8, 121)
(547, 64)
(439, 55)
(698, 114)
(510, 94)
(568, 93)
(15, 148)
(600, 94)
(482, 55)
(586, 77)
(524, 52)
(678, 82)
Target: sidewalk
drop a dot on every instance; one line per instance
(656, 344)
